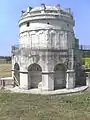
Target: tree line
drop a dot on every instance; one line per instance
(6, 58)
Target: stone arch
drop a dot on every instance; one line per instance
(40, 32)
(32, 32)
(17, 73)
(34, 75)
(59, 76)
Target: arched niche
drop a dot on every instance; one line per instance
(52, 38)
(59, 76)
(63, 40)
(41, 39)
(40, 32)
(34, 75)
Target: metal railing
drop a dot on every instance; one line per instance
(18, 47)
(15, 80)
(84, 47)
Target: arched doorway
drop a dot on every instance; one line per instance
(16, 74)
(34, 75)
(59, 76)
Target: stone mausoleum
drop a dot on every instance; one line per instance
(47, 51)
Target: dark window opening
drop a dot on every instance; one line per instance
(68, 25)
(27, 24)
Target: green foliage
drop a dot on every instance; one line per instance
(86, 62)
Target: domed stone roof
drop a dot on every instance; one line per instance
(46, 12)
(48, 8)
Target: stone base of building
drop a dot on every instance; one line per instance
(54, 92)
(48, 81)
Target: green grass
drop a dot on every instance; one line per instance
(36, 107)
(5, 70)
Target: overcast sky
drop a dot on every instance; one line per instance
(10, 14)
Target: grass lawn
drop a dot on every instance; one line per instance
(15, 106)
(5, 70)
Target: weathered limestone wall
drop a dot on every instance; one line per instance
(46, 24)
(40, 34)
(40, 43)
(47, 61)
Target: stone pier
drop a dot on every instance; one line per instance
(88, 79)
(70, 79)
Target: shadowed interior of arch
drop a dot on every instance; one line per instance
(60, 76)
(34, 75)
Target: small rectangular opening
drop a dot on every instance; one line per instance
(27, 24)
